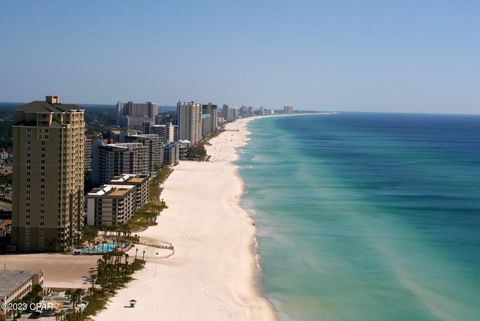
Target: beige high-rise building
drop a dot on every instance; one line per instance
(137, 116)
(189, 116)
(48, 175)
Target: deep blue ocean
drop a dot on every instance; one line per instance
(365, 216)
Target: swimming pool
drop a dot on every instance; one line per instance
(102, 248)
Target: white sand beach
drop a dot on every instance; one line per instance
(211, 274)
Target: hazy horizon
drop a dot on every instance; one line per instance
(367, 56)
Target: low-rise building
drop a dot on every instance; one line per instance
(110, 205)
(14, 285)
(141, 186)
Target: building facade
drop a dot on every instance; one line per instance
(136, 115)
(172, 154)
(189, 121)
(141, 186)
(209, 119)
(110, 205)
(48, 175)
(288, 110)
(154, 145)
(110, 160)
(229, 113)
(167, 132)
(88, 156)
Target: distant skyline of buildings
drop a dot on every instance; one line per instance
(52, 152)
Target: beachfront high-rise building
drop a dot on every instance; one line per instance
(136, 115)
(166, 132)
(155, 149)
(172, 154)
(288, 110)
(48, 175)
(89, 139)
(209, 119)
(189, 121)
(110, 160)
(229, 113)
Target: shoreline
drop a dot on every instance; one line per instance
(213, 274)
(257, 280)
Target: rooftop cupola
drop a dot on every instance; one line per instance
(53, 99)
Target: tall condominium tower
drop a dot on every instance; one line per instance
(209, 124)
(110, 160)
(189, 121)
(154, 145)
(229, 113)
(136, 115)
(48, 170)
(288, 110)
(167, 132)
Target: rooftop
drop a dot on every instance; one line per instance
(120, 191)
(109, 190)
(129, 178)
(46, 107)
(11, 279)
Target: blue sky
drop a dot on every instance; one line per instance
(403, 56)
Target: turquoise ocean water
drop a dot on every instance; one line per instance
(367, 216)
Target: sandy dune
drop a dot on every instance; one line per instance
(211, 275)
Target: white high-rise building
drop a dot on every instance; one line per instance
(189, 121)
